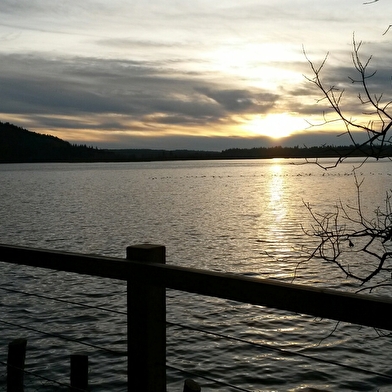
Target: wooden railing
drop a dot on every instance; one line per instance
(148, 276)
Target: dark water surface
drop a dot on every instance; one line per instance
(237, 216)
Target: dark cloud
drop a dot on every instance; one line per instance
(341, 74)
(33, 84)
(313, 137)
(44, 8)
(306, 139)
(129, 43)
(241, 101)
(25, 96)
(69, 87)
(309, 100)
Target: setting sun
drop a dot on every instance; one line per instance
(275, 126)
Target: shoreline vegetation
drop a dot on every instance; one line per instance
(18, 145)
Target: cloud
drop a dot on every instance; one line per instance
(170, 67)
(151, 96)
(45, 8)
(143, 91)
(339, 74)
(241, 101)
(219, 143)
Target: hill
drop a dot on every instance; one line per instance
(20, 145)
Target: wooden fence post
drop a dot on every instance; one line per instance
(146, 318)
(15, 365)
(191, 386)
(79, 372)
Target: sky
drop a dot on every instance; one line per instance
(176, 74)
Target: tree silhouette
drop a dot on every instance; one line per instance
(374, 106)
(359, 245)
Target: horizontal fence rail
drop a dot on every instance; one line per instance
(325, 303)
(148, 276)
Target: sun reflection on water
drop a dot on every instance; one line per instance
(276, 229)
(276, 186)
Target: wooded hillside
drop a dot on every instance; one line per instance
(20, 145)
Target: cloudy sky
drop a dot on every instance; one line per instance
(184, 74)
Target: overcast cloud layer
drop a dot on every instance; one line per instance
(174, 74)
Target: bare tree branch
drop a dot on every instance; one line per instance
(386, 31)
(379, 111)
(359, 246)
(347, 232)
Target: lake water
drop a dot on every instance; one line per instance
(242, 216)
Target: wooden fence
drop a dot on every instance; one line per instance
(148, 276)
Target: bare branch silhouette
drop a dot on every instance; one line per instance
(346, 233)
(373, 106)
(386, 31)
(358, 245)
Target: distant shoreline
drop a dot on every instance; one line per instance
(147, 158)
(18, 145)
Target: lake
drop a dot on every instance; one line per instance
(242, 216)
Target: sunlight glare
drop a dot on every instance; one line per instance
(275, 126)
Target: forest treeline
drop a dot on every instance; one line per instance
(18, 145)
(325, 151)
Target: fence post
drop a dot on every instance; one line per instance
(146, 318)
(191, 386)
(79, 372)
(15, 365)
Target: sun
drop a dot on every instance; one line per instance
(275, 126)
